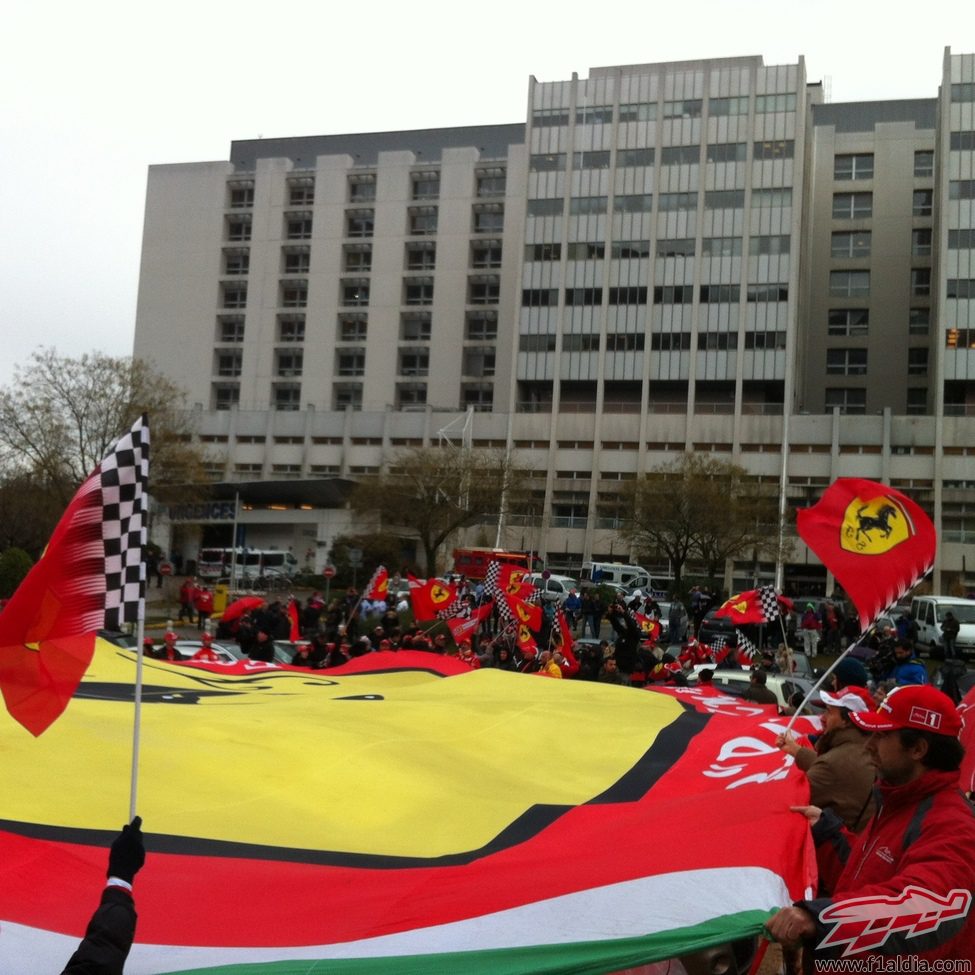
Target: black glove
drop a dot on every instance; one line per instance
(128, 853)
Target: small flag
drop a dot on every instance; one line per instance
(464, 628)
(295, 630)
(378, 585)
(753, 606)
(431, 598)
(746, 648)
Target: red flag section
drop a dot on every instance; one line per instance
(743, 608)
(359, 865)
(431, 598)
(649, 627)
(465, 627)
(378, 585)
(91, 576)
(529, 614)
(876, 542)
(295, 625)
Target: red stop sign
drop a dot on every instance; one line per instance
(166, 568)
(329, 572)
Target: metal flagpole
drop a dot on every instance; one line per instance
(137, 722)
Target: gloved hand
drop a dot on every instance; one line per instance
(128, 853)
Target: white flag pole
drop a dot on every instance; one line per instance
(137, 721)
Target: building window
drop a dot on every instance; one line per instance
(288, 362)
(774, 149)
(667, 202)
(238, 228)
(963, 92)
(359, 223)
(631, 158)
(960, 338)
(726, 152)
(917, 401)
(964, 141)
(769, 245)
(683, 108)
(848, 321)
(236, 262)
(241, 196)
(764, 340)
(961, 189)
(850, 401)
(294, 294)
(235, 295)
(676, 294)
(355, 291)
(353, 328)
(539, 297)
(291, 328)
(778, 196)
(680, 155)
(581, 251)
(479, 361)
(594, 115)
(784, 102)
(920, 282)
(625, 341)
(849, 284)
(415, 326)
(297, 262)
(547, 117)
(637, 203)
(484, 289)
(924, 162)
(418, 291)
(598, 159)
(581, 205)
(543, 342)
(490, 182)
(853, 166)
(960, 288)
(737, 105)
(423, 221)
(724, 199)
(350, 362)
(846, 362)
(638, 112)
(767, 292)
(301, 192)
(297, 227)
(852, 206)
(583, 296)
(549, 162)
(421, 255)
(227, 362)
(480, 396)
(286, 396)
(919, 321)
(923, 203)
(486, 253)
(632, 295)
(225, 395)
(961, 239)
(480, 326)
(712, 294)
(357, 258)
(707, 341)
(362, 189)
(425, 186)
(548, 207)
(921, 242)
(684, 247)
(917, 362)
(670, 341)
(850, 243)
(410, 395)
(488, 218)
(230, 328)
(580, 342)
(347, 396)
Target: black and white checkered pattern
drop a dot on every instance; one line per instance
(746, 646)
(124, 475)
(491, 578)
(717, 645)
(769, 601)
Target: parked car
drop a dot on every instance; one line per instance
(783, 686)
(553, 588)
(929, 613)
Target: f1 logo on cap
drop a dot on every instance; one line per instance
(925, 717)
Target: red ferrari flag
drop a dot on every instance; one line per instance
(523, 612)
(649, 627)
(464, 627)
(876, 542)
(378, 585)
(753, 606)
(295, 628)
(431, 599)
(91, 576)
(526, 640)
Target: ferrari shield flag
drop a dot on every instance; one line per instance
(415, 841)
(378, 585)
(753, 606)
(877, 542)
(431, 598)
(91, 576)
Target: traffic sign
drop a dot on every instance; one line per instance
(329, 572)
(166, 568)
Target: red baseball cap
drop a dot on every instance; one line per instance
(857, 699)
(918, 706)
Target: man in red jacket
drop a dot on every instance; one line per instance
(906, 889)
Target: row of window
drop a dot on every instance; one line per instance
(855, 206)
(853, 362)
(857, 243)
(636, 249)
(659, 341)
(856, 321)
(666, 202)
(854, 400)
(671, 109)
(860, 165)
(717, 152)
(856, 284)
(679, 294)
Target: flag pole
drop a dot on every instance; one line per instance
(137, 718)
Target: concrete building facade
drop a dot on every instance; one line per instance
(691, 256)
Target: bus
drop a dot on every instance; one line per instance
(251, 563)
(473, 562)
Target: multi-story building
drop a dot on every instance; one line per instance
(691, 256)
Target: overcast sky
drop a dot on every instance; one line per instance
(95, 92)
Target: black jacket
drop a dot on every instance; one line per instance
(109, 937)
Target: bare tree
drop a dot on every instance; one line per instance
(61, 414)
(431, 492)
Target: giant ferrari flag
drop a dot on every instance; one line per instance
(877, 542)
(388, 816)
(91, 576)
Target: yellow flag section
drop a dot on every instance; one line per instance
(258, 758)
(395, 820)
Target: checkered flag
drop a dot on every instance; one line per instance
(745, 646)
(769, 601)
(491, 578)
(124, 477)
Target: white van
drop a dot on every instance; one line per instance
(627, 576)
(929, 613)
(553, 589)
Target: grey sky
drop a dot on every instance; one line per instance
(93, 93)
